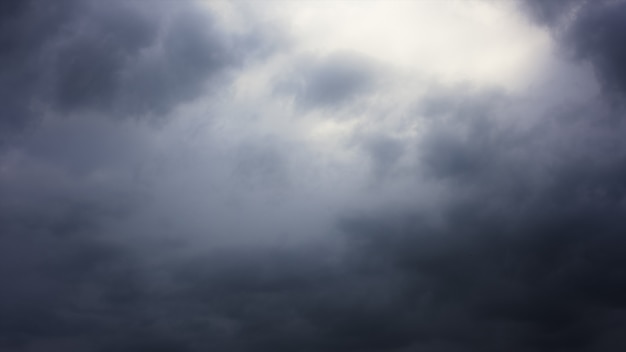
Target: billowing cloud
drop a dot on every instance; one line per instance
(122, 59)
(593, 32)
(525, 252)
(187, 177)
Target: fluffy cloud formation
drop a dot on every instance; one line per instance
(121, 60)
(184, 177)
(592, 31)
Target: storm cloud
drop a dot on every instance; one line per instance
(119, 60)
(192, 176)
(593, 32)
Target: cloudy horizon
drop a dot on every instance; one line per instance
(393, 176)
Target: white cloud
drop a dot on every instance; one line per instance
(481, 42)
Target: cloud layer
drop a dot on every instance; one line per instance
(187, 177)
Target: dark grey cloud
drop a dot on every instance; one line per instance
(522, 252)
(56, 261)
(525, 254)
(78, 81)
(121, 59)
(329, 81)
(593, 31)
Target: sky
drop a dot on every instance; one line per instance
(313, 176)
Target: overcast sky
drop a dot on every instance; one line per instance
(280, 176)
